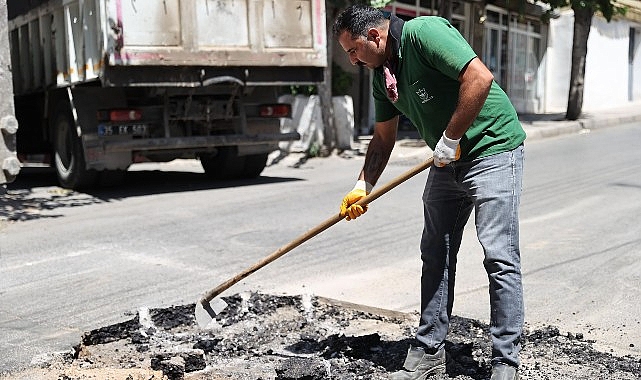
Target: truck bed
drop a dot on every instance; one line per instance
(99, 38)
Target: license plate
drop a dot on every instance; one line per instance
(117, 130)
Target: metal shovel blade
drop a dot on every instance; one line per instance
(206, 311)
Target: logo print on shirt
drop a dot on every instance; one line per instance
(425, 97)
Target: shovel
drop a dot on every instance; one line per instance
(209, 306)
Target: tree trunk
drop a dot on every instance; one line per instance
(325, 90)
(445, 9)
(582, 24)
(327, 114)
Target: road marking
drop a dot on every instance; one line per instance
(48, 260)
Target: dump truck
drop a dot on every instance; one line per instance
(103, 84)
(9, 164)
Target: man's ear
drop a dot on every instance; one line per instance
(373, 34)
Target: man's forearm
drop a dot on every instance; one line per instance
(475, 81)
(379, 151)
(375, 162)
(464, 115)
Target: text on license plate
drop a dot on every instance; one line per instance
(114, 130)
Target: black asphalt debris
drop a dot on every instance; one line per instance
(261, 336)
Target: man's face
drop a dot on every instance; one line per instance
(364, 51)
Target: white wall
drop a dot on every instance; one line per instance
(557, 62)
(606, 75)
(308, 122)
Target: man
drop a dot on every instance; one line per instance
(425, 70)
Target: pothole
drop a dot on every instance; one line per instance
(261, 336)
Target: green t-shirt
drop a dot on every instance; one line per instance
(431, 55)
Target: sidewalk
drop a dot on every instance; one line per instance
(537, 126)
(409, 145)
(548, 125)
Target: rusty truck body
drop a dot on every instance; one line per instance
(102, 84)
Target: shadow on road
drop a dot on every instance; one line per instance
(36, 190)
(139, 183)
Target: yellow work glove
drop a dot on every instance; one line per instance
(446, 151)
(350, 210)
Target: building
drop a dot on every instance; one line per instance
(613, 62)
(529, 58)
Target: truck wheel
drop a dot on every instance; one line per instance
(254, 165)
(224, 164)
(68, 153)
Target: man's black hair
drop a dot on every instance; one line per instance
(357, 20)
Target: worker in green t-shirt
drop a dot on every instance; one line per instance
(424, 69)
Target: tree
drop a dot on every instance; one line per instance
(584, 10)
(332, 8)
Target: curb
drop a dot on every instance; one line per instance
(543, 130)
(537, 130)
(609, 121)
(410, 147)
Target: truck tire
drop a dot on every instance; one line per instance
(224, 164)
(254, 165)
(69, 156)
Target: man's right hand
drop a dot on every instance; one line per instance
(349, 209)
(446, 151)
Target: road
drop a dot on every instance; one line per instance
(71, 262)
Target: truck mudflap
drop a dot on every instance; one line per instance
(9, 162)
(194, 142)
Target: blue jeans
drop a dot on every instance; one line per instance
(491, 186)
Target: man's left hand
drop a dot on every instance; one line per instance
(446, 151)
(350, 210)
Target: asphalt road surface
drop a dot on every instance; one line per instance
(71, 262)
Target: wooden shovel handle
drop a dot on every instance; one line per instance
(314, 231)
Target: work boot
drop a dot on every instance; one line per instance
(504, 372)
(419, 365)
